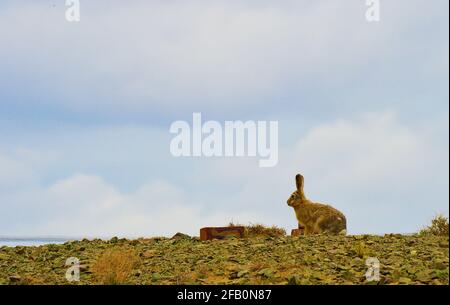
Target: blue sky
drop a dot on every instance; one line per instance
(85, 110)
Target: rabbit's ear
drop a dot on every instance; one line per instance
(299, 182)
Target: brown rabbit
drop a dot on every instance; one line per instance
(316, 218)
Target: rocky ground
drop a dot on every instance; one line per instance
(259, 260)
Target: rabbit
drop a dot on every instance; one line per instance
(316, 218)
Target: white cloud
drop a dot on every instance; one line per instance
(386, 177)
(371, 149)
(85, 205)
(82, 192)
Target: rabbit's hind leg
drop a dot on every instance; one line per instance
(319, 225)
(332, 227)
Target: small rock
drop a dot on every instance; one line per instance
(20, 250)
(267, 272)
(242, 273)
(404, 280)
(424, 276)
(439, 266)
(443, 244)
(410, 242)
(181, 236)
(156, 277)
(134, 242)
(148, 253)
(15, 278)
(294, 280)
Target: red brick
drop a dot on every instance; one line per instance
(220, 232)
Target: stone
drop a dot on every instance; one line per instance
(266, 272)
(181, 236)
(242, 273)
(15, 278)
(156, 277)
(294, 280)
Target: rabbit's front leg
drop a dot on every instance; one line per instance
(307, 230)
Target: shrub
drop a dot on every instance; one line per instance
(439, 227)
(115, 266)
(254, 230)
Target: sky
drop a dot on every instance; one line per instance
(86, 107)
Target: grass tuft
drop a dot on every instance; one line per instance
(438, 227)
(259, 230)
(115, 266)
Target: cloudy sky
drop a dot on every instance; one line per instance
(85, 111)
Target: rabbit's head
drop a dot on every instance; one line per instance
(297, 197)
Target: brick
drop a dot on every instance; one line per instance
(209, 233)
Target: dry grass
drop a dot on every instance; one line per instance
(439, 226)
(256, 266)
(184, 278)
(361, 250)
(255, 230)
(203, 272)
(115, 266)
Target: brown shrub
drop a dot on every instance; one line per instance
(255, 230)
(115, 266)
(439, 226)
